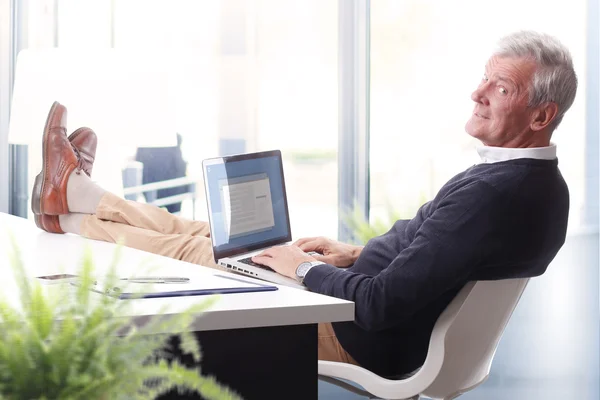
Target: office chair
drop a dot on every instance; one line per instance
(461, 348)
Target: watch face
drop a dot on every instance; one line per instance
(302, 268)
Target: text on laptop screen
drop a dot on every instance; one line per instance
(247, 202)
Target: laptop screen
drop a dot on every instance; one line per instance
(247, 204)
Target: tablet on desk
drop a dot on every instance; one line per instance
(200, 285)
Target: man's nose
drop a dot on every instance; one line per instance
(479, 95)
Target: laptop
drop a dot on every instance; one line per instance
(247, 211)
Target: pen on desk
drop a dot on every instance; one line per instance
(156, 279)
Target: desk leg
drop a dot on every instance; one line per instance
(261, 363)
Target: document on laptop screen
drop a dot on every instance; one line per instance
(247, 205)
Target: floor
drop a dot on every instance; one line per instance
(550, 349)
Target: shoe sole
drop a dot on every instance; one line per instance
(38, 221)
(52, 224)
(38, 187)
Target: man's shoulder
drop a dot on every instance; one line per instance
(510, 174)
(504, 182)
(485, 183)
(479, 178)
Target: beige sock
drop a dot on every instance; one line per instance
(71, 223)
(83, 195)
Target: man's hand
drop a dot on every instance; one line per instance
(283, 259)
(333, 252)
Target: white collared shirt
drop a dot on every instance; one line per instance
(491, 155)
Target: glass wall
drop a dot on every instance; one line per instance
(5, 79)
(242, 76)
(426, 59)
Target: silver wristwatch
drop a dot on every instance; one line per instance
(303, 269)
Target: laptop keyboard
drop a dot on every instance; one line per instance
(248, 261)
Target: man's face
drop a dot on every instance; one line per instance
(501, 114)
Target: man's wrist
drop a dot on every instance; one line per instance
(356, 252)
(314, 264)
(303, 269)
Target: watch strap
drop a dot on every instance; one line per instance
(313, 264)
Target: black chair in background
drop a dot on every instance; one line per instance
(161, 164)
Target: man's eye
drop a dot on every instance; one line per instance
(502, 91)
(484, 78)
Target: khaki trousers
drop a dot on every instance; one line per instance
(330, 348)
(155, 230)
(149, 228)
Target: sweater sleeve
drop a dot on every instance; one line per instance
(442, 254)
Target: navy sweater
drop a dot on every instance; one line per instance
(492, 221)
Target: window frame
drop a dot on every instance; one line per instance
(591, 218)
(8, 43)
(354, 108)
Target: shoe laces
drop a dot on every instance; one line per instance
(79, 160)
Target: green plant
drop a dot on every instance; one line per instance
(313, 156)
(364, 230)
(71, 344)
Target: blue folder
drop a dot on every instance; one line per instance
(173, 292)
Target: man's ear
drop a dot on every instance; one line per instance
(543, 116)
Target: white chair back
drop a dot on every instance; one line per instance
(467, 334)
(461, 348)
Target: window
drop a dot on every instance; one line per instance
(426, 59)
(242, 76)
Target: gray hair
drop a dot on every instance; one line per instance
(554, 79)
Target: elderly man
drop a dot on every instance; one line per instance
(503, 218)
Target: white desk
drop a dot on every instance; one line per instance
(287, 316)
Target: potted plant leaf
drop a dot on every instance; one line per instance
(72, 344)
(363, 229)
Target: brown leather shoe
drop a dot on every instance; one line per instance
(59, 160)
(84, 142)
